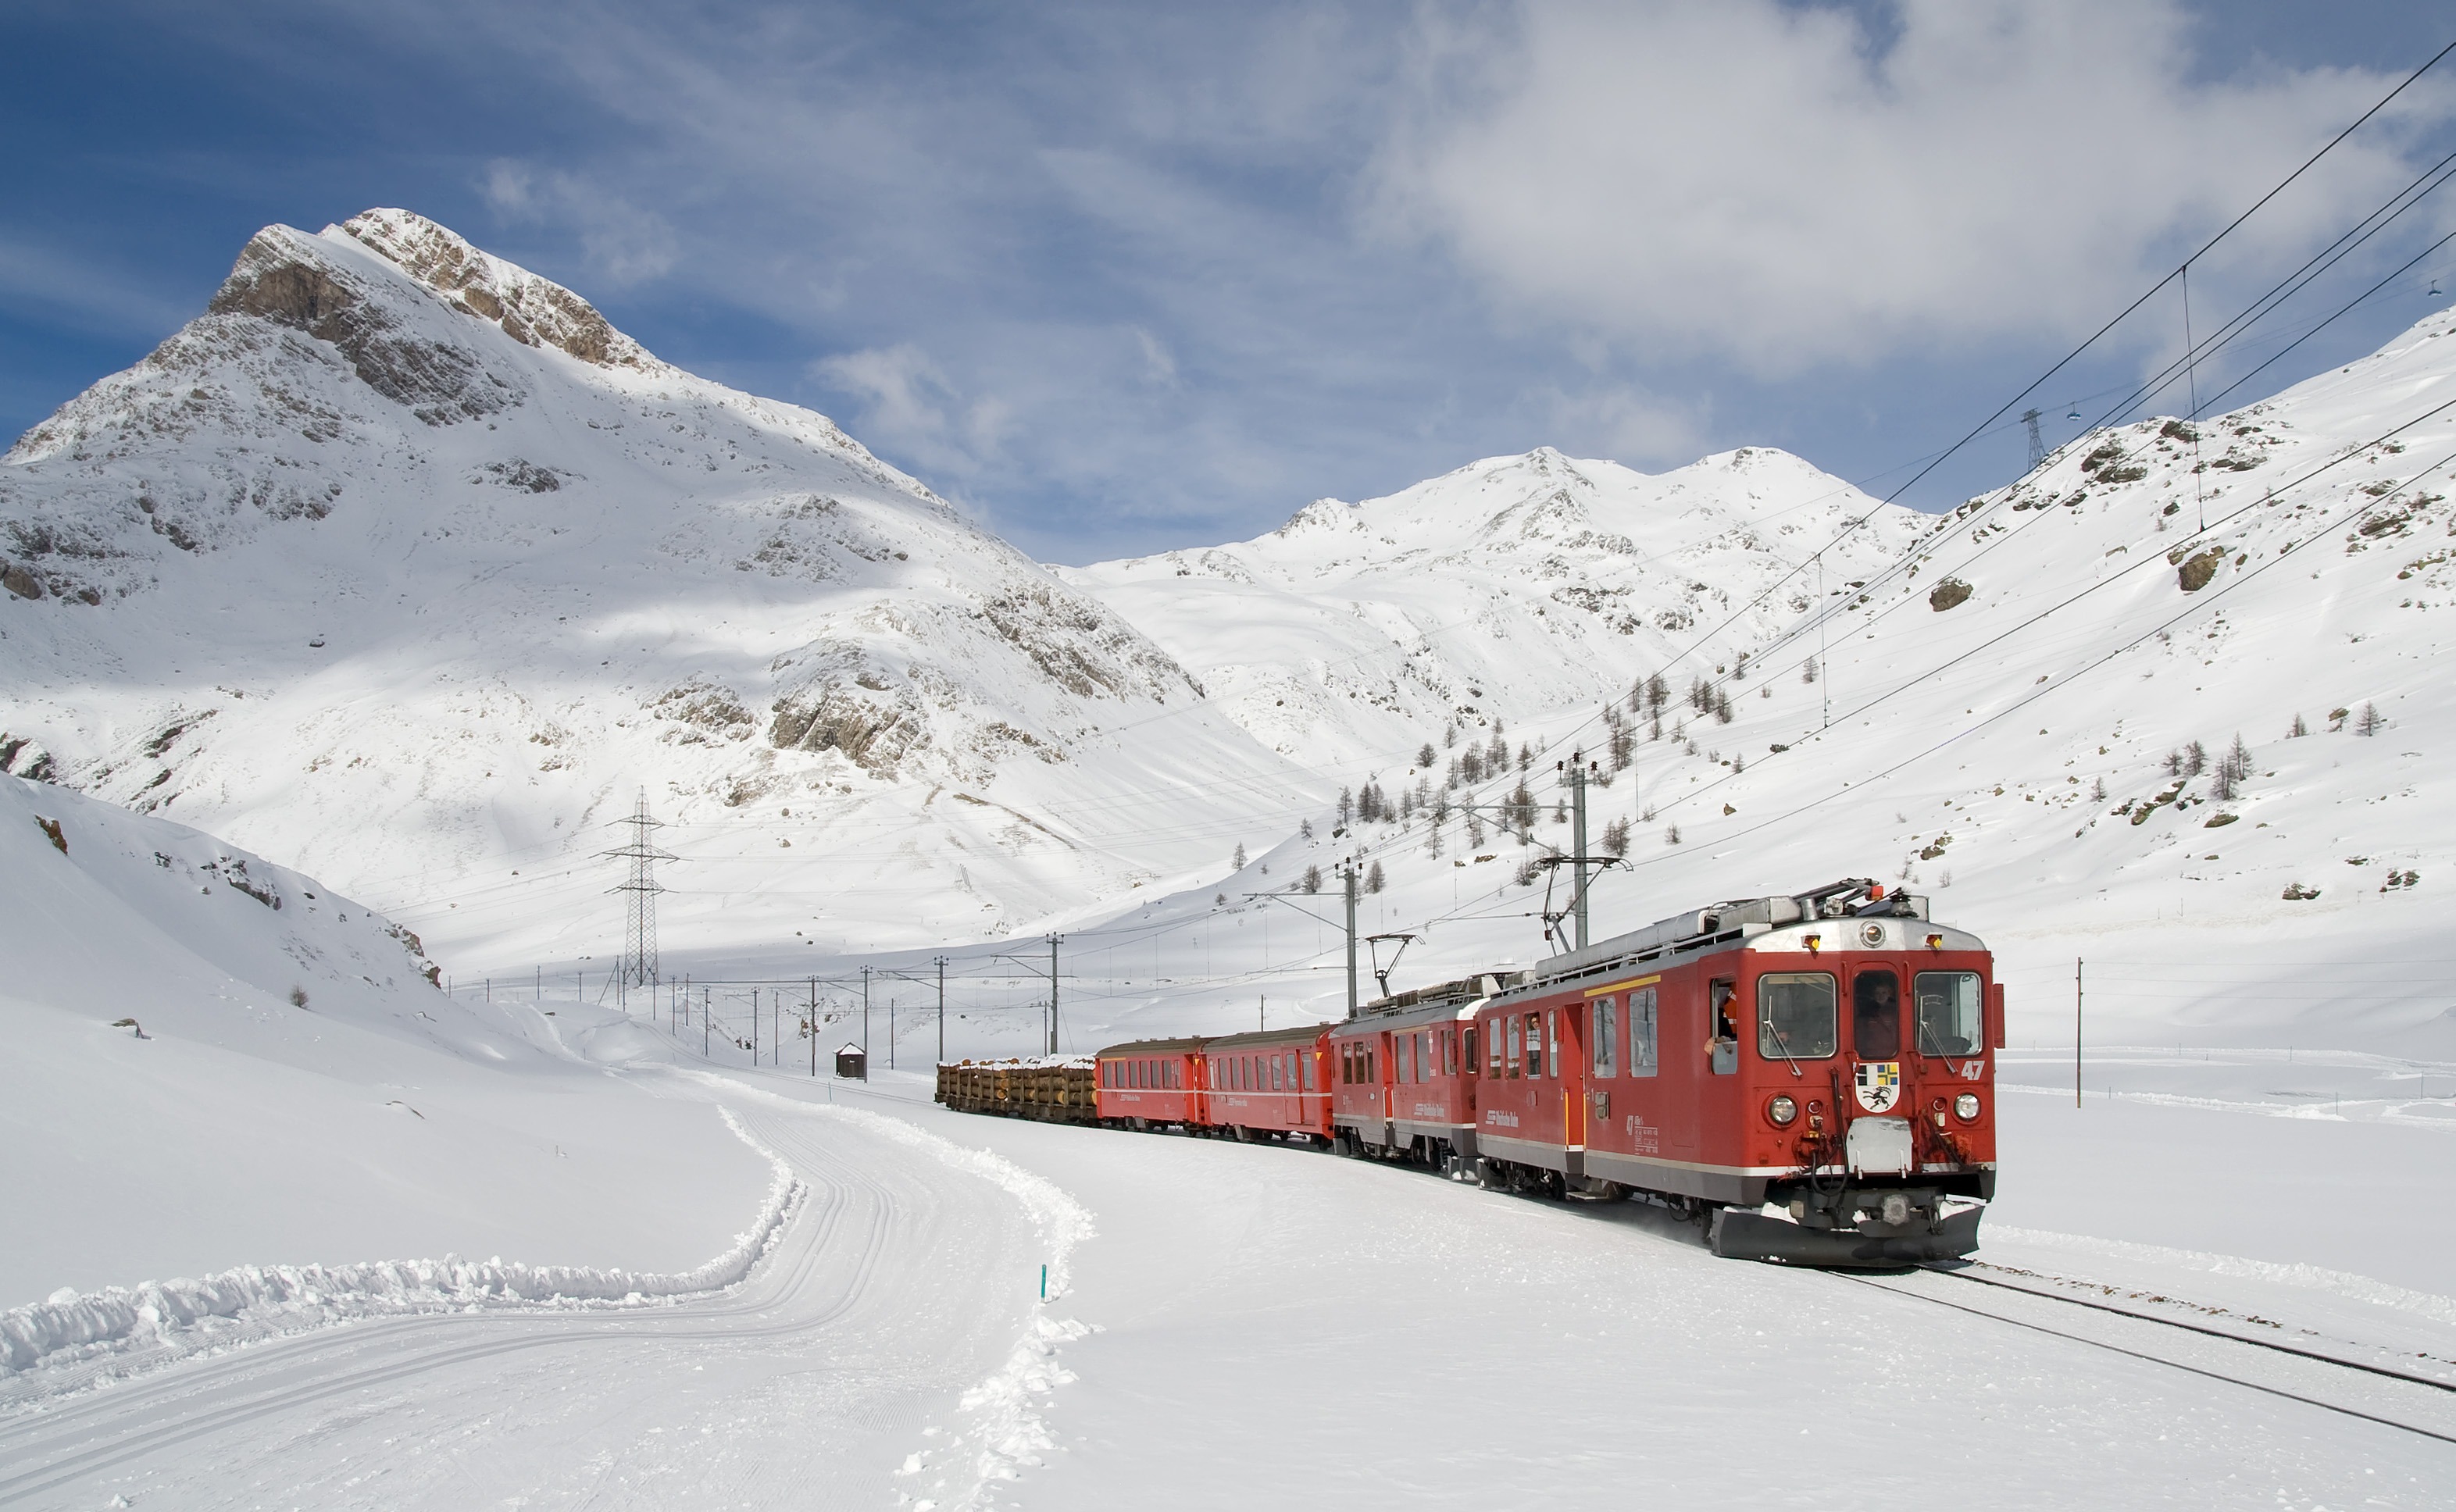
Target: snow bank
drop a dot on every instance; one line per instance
(162, 1320)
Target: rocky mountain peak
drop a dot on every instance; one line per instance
(531, 310)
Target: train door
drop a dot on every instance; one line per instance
(1575, 1020)
(1688, 1056)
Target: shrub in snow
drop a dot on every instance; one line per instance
(2370, 721)
(299, 997)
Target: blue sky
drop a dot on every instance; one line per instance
(1126, 277)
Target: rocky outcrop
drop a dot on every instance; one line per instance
(533, 310)
(284, 278)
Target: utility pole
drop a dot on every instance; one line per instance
(1347, 873)
(1263, 1013)
(942, 1009)
(640, 915)
(2075, 1030)
(1053, 992)
(1578, 836)
(865, 1013)
(812, 1026)
(2038, 447)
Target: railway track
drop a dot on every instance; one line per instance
(1963, 1274)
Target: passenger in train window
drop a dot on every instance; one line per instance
(1534, 1044)
(1877, 1016)
(1723, 1039)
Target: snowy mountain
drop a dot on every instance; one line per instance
(1516, 586)
(2032, 713)
(402, 565)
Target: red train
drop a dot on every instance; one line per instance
(1827, 1052)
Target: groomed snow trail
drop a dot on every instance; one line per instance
(905, 1283)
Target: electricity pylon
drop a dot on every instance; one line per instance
(640, 925)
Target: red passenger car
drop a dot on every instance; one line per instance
(1153, 1082)
(1269, 1082)
(1827, 1052)
(1404, 1075)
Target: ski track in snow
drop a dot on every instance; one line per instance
(1000, 1431)
(883, 1303)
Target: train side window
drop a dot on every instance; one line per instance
(1552, 1043)
(1304, 1066)
(1496, 1039)
(1877, 1016)
(1602, 1020)
(1371, 1067)
(1467, 1051)
(1951, 1014)
(1517, 1043)
(1642, 1026)
(1796, 1016)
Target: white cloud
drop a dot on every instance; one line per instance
(622, 243)
(1623, 424)
(908, 404)
(1772, 185)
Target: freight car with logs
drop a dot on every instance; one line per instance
(1824, 1054)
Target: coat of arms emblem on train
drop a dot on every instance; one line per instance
(1880, 1085)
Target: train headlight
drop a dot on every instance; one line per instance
(1782, 1109)
(1966, 1105)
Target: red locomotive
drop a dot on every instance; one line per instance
(1827, 1052)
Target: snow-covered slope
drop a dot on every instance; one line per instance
(402, 565)
(216, 1061)
(1515, 586)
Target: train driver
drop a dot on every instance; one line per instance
(1877, 1027)
(1723, 1043)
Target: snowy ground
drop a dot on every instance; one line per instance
(1241, 1324)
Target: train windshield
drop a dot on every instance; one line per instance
(1877, 1016)
(1952, 1016)
(1796, 1016)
